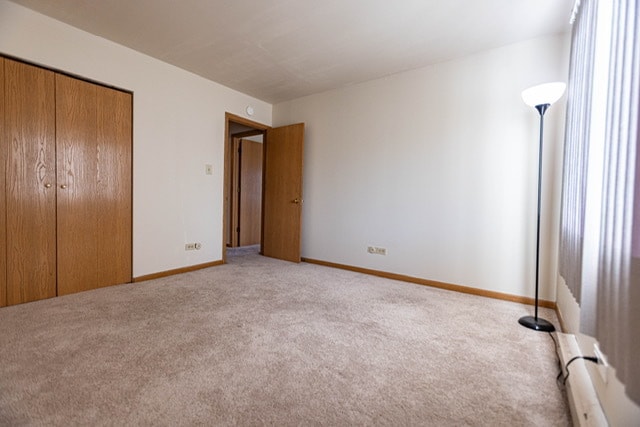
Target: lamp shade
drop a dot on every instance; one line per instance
(546, 93)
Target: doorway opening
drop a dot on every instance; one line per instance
(280, 195)
(243, 176)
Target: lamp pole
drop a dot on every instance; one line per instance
(528, 321)
(540, 97)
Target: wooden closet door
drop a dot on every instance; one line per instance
(77, 208)
(30, 182)
(94, 185)
(114, 180)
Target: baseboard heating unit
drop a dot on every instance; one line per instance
(586, 410)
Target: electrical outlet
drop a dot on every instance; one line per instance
(376, 250)
(603, 365)
(190, 247)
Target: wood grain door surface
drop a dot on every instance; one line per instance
(234, 192)
(76, 118)
(30, 182)
(250, 206)
(282, 196)
(94, 185)
(114, 186)
(65, 215)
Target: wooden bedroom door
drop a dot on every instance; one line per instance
(282, 196)
(29, 186)
(246, 192)
(250, 195)
(93, 186)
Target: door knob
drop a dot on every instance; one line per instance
(63, 186)
(47, 185)
(297, 201)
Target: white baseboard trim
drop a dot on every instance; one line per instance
(586, 410)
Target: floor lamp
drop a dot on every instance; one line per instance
(541, 97)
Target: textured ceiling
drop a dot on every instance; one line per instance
(278, 50)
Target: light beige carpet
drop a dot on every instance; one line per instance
(260, 341)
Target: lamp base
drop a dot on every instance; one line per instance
(536, 324)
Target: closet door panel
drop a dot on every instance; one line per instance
(77, 158)
(30, 182)
(113, 192)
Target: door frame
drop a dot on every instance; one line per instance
(226, 204)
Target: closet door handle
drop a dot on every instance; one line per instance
(63, 186)
(47, 185)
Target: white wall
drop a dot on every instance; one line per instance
(439, 166)
(178, 128)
